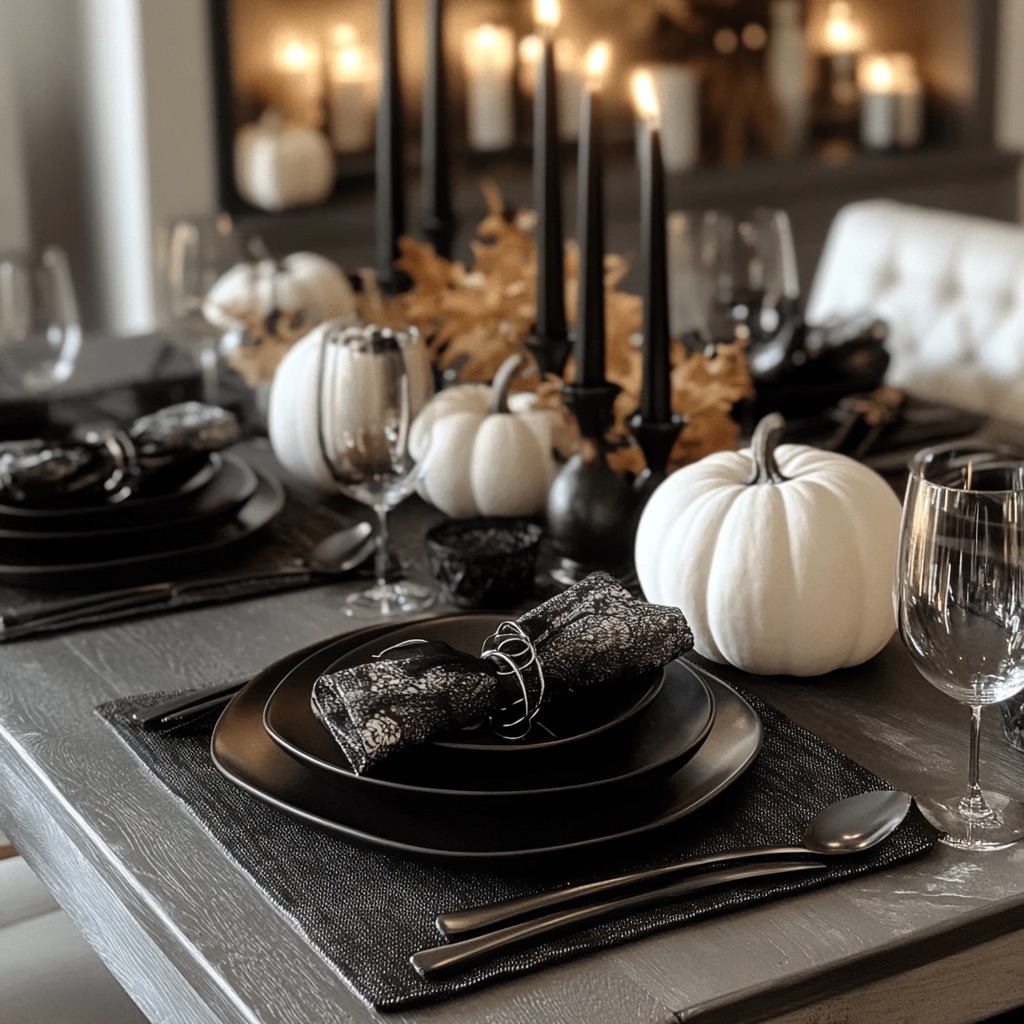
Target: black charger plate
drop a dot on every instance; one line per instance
(451, 826)
(211, 506)
(169, 560)
(159, 505)
(629, 739)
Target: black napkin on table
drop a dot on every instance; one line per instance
(99, 463)
(593, 633)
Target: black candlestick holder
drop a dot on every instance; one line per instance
(439, 229)
(656, 440)
(590, 509)
(551, 352)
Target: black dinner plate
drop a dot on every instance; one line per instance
(645, 747)
(176, 559)
(159, 505)
(557, 723)
(452, 826)
(233, 484)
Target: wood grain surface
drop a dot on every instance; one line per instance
(194, 941)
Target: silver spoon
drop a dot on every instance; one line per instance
(847, 826)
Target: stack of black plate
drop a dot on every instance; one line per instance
(221, 503)
(626, 758)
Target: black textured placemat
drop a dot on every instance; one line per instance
(367, 909)
(301, 523)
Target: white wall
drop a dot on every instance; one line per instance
(13, 212)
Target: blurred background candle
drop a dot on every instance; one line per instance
(570, 89)
(529, 52)
(677, 87)
(892, 101)
(655, 404)
(300, 80)
(590, 326)
(490, 75)
(390, 165)
(351, 75)
(438, 213)
(843, 41)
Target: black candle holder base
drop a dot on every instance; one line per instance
(656, 440)
(551, 353)
(440, 232)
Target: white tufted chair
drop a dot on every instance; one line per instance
(951, 287)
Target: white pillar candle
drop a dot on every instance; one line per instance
(678, 89)
(490, 100)
(300, 82)
(892, 102)
(350, 94)
(843, 40)
(570, 89)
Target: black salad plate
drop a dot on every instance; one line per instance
(557, 724)
(451, 826)
(646, 746)
(211, 506)
(160, 559)
(158, 505)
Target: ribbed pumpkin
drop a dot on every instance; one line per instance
(781, 559)
(477, 457)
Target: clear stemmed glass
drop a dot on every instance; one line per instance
(40, 333)
(733, 275)
(371, 382)
(192, 253)
(959, 599)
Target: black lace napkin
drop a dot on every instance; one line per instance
(99, 464)
(593, 633)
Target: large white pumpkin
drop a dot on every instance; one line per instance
(304, 283)
(781, 559)
(292, 413)
(279, 166)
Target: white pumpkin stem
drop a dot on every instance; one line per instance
(501, 382)
(767, 435)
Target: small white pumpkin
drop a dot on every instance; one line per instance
(782, 560)
(304, 283)
(279, 166)
(477, 458)
(292, 410)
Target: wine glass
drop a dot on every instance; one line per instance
(732, 275)
(959, 599)
(192, 253)
(40, 333)
(371, 382)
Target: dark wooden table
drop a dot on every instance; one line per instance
(195, 942)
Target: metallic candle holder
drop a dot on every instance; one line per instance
(590, 510)
(656, 440)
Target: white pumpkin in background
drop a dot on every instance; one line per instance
(279, 165)
(479, 458)
(781, 559)
(304, 283)
(292, 412)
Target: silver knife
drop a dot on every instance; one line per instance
(457, 955)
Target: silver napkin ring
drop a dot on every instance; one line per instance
(516, 654)
(122, 450)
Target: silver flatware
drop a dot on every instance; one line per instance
(845, 827)
(457, 955)
(335, 555)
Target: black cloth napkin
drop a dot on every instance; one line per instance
(84, 468)
(296, 530)
(592, 633)
(367, 909)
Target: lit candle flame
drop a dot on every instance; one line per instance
(645, 98)
(598, 58)
(351, 62)
(842, 33)
(296, 55)
(345, 35)
(547, 14)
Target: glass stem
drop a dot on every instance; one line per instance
(974, 801)
(208, 380)
(383, 545)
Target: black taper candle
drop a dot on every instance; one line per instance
(390, 169)
(655, 395)
(547, 191)
(438, 216)
(589, 348)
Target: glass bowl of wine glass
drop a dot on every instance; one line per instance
(959, 597)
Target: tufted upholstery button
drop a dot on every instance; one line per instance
(950, 287)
